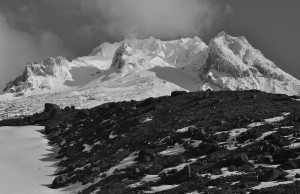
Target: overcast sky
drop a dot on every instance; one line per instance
(31, 30)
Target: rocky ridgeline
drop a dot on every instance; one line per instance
(200, 142)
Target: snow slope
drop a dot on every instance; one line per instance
(26, 165)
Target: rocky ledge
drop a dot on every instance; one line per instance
(201, 142)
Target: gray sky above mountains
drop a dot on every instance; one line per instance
(31, 30)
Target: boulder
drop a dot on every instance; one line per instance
(50, 107)
(58, 182)
(83, 113)
(146, 102)
(207, 148)
(199, 133)
(175, 160)
(231, 168)
(257, 192)
(178, 93)
(49, 129)
(240, 159)
(269, 148)
(146, 156)
(293, 164)
(224, 190)
(73, 150)
(179, 177)
(270, 174)
(130, 123)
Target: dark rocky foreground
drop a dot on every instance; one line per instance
(203, 142)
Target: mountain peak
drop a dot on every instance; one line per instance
(38, 75)
(46, 67)
(123, 52)
(234, 64)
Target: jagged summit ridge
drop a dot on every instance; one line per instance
(226, 63)
(48, 67)
(177, 52)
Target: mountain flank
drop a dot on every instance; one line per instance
(196, 142)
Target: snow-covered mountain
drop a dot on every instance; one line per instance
(233, 64)
(138, 69)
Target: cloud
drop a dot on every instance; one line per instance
(18, 47)
(166, 19)
(34, 29)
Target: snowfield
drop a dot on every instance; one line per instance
(27, 161)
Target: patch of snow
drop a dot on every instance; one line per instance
(63, 142)
(294, 145)
(264, 135)
(257, 124)
(161, 188)
(183, 130)
(135, 185)
(196, 143)
(87, 148)
(147, 120)
(234, 183)
(150, 178)
(225, 173)
(97, 143)
(292, 173)
(112, 136)
(82, 168)
(231, 141)
(194, 192)
(266, 165)
(274, 120)
(178, 168)
(272, 184)
(155, 178)
(125, 163)
(21, 167)
(174, 150)
(104, 121)
(287, 127)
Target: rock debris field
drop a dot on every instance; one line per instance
(198, 142)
